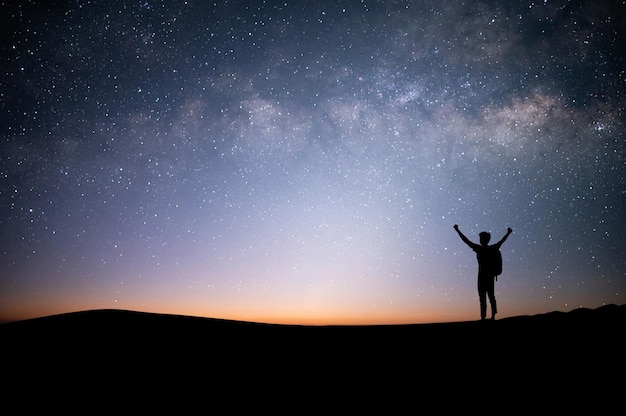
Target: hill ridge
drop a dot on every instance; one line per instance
(608, 311)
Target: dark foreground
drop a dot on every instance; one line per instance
(108, 357)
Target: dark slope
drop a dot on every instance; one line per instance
(110, 325)
(559, 360)
(110, 331)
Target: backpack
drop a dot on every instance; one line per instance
(495, 261)
(491, 261)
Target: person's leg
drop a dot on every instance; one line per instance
(482, 297)
(492, 299)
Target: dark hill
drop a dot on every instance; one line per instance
(581, 351)
(140, 327)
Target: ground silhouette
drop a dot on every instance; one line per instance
(557, 360)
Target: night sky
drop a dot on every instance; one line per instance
(305, 162)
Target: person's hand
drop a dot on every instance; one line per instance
(509, 230)
(456, 227)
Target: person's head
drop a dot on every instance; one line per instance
(484, 238)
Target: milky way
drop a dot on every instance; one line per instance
(305, 162)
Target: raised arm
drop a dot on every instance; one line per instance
(508, 232)
(465, 239)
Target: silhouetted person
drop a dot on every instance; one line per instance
(486, 273)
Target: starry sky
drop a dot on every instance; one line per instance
(305, 162)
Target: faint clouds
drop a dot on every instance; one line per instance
(266, 130)
(525, 122)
